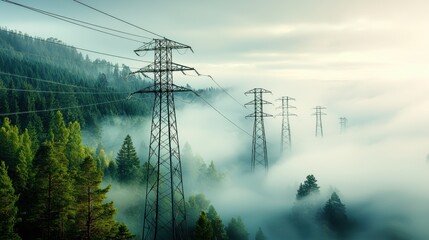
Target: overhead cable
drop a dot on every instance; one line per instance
(61, 92)
(82, 49)
(61, 108)
(121, 20)
(223, 115)
(46, 81)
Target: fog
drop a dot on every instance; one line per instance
(378, 166)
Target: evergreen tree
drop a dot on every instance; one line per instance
(127, 162)
(309, 187)
(122, 233)
(8, 209)
(260, 235)
(219, 232)
(25, 158)
(203, 229)
(74, 150)
(94, 219)
(194, 206)
(111, 171)
(51, 206)
(236, 230)
(58, 130)
(334, 215)
(9, 147)
(209, 175)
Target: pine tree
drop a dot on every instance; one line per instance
(9, 147)
(334, 215)
(122, 232)
(236, 230)
(219, 232)
(58, 130)
(203, 229)
(94, 219)
(309, 187)
(74, 150)
(260, 235)
(50, 210)
(8, 209)
(23, 167)
(127, 162)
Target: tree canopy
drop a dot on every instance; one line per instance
(128, 164)
(307, 188)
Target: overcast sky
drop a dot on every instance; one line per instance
(237, 41)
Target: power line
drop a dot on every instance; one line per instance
(107, 64)
(221, 88)
(70, 20)
(61, 92)
(121, 20)
(82, 49)
(220, 113)
(61, 108)
(46, 81)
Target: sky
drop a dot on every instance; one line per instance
(364, 60)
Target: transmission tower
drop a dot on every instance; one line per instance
(259, 143)
(319, 126)
(164, 210)
(343, 124)
(286, 136)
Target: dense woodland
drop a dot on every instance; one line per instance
(53, 187)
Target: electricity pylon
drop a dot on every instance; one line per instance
(164, 210)
(343, 124)
(259, 143)
(286, 144)
(319, 126)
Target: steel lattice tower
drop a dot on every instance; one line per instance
(164, 210)
(319, 126)
(286, 141)
(343, 124)
(259, 143)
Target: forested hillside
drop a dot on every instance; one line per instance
(38, 75)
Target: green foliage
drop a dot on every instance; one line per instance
(195, 205)
(51, 205)
(236, 230)
(334, 215)
(309, 187)
(122, 233)
(94, 218)
(203, 229)
(16, 150)
(209, 176)
(260, 235)
(74, 150)
(218, 228)
(8, 209)
(127, 162)
(10, 145)
(59, 133)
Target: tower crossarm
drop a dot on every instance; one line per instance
(257, 90)
(152, 89)
(155, 46)
(151, 68)
(260, 101)
(259, 115)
